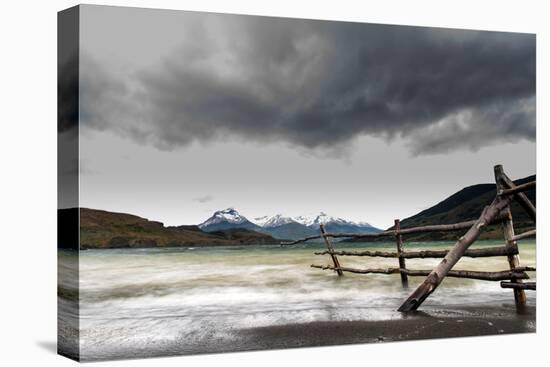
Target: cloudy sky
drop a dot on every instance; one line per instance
(184, 113)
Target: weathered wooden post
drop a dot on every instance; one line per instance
(521, 198)
(331, 251)
(511, 243)
(399, 242)
(440, 271)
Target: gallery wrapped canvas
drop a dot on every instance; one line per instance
(233, 183)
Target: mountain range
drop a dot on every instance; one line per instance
(284, 227)
(94, 228)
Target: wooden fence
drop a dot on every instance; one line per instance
(497, 212)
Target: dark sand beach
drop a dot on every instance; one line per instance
(466, 321)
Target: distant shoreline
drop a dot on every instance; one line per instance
(426, 243)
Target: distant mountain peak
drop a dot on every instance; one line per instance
(276, 220)
(229, 210)
(324, 218)
(228, 215)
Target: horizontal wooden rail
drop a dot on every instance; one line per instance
(526, 234)
(392, 233)
(360, 253)
(528, 285)
(478, 252)
(305, 239)
(519, 188)
(518, 273)
(423, 254)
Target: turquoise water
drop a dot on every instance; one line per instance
(183, 299)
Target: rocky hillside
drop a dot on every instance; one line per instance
(464, 205)
(103, 229)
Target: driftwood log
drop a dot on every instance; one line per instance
(505, 182)
(360, 253)
(437, 275)
(519, 188)
(421, 229)
(526, 234)
(518, 273)
(423, 254)
(526, 285)
(331, 251)
(513, 260)
(508, 230)
(399, 243)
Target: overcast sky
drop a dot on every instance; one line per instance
(184, 113)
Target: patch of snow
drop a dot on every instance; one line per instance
(324, 218)
(272, 221)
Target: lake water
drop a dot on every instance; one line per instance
(144, 302)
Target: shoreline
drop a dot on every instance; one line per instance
(312, 244)
(330, 333)
(434, 323)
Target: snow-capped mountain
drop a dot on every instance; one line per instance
(230, 215)
(283, 227)
(334, 224)
(280, 226)
(227, 218)
(323, 218)
(272, 221)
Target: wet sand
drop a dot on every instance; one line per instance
(427, 324)
(412, 326)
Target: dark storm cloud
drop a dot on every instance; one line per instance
(67, 69)
(317, 85)
(67, 94)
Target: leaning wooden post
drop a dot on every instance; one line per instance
(331, 251)
(521, 197)
(399, 242)
(455, 253)
(511, 244)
